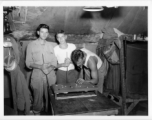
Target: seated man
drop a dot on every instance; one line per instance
(95, 68)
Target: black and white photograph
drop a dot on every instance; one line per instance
(86, 59)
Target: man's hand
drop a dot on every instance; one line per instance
(80, 81)
(44, 66)
(47, 68)
(67, 62)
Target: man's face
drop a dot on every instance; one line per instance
(80, 62)
(43, 33)
(61, 38)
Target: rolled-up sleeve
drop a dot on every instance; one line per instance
(54, 59)
(29, 59)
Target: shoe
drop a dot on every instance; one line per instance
(31, 112)
(36, 112)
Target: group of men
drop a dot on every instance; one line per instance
(57, 65)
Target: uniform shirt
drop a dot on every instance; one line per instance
(89, 53)
(39, 54)
(61, 54)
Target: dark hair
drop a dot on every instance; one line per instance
(41, 26)
(76, 54)
(56, 35)
(60, 32)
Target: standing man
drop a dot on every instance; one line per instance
(66, 72)
(40, 57)
(95, 69)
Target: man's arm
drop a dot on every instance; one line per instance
(54, 59)
(29, 59)
(35, 66)
(61, 65)
(66, 63)
(80, 73)
(92, 65)
(55, 53)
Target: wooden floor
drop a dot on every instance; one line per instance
(140, 110)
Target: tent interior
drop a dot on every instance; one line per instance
(83, 29)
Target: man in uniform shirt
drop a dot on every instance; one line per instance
(40, 57)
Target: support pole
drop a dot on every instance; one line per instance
(123, 81)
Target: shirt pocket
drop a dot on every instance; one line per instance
(49, 55)
(37, 56)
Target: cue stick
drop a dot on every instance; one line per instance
(44, 73)
(67, 68)
(47, 85)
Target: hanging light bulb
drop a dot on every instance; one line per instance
(112, 6)
(97, 8)
(93, 8)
